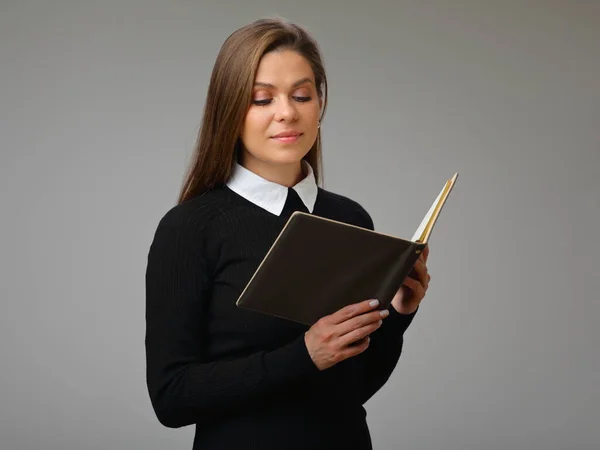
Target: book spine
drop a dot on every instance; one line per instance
(398, 272)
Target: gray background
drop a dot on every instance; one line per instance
(99, 108)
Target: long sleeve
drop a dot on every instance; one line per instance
(372, 369)
(355, 380)
(377, 363)
(185, 389)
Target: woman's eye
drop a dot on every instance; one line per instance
(303, 99)
(267, 101)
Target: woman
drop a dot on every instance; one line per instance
(248, 380)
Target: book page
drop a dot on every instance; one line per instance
(425, 221)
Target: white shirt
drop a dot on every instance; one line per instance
(269, 195)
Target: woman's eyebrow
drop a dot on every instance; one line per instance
(272, 86)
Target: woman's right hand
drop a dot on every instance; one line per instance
(343, 334)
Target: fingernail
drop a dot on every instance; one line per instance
(374, 303)
(384, 313)
(380, 322)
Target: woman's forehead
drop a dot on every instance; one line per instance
(283, 69)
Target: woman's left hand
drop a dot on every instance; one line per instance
(413, 290)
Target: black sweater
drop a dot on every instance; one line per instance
(246, 379)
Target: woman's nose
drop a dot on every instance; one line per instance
(286, 110)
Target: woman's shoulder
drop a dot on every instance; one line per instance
(196, 212)
(344, 208)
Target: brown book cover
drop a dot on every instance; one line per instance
(316, 266)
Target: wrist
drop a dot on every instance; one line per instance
(400, 321)
(405, 309)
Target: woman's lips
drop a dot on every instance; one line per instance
(287, 139)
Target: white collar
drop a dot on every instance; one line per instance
(269, 195)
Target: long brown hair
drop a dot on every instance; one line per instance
(230, 94)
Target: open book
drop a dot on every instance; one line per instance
(316, 266)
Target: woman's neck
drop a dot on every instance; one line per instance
(284, 174)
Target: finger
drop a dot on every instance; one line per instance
(421, 270)
(358, 322)
(426, 252)
(359, 333)
(356, 309)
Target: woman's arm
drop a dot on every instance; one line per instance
(362, 376)
(377, 363)
(183, 388)
(357, 379)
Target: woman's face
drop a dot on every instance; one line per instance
(282, 123)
